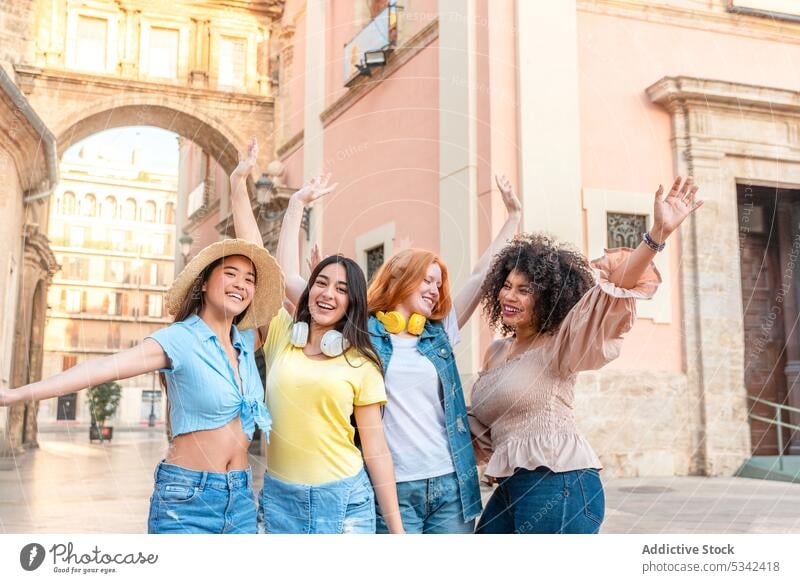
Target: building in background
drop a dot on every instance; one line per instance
(588, 105)
(28, 173)
(112, 228)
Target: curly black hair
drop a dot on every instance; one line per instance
(559, 275)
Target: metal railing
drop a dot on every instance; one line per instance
(776, 421)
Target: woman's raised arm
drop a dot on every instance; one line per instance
(288, 251)
(668, 214)
(245, 225)
(146, 357)
(468, 297)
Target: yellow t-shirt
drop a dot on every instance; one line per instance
(311, 401)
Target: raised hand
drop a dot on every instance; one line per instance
(314, 189)
(671, 210)
(510, 199)
(314, 258)
(248, 161)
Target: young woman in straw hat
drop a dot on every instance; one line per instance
(221, 302)
(322, 370)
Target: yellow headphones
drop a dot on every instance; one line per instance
(395, 322)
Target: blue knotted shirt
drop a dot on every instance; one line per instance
(201, 384)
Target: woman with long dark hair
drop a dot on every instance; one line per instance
(222, 301)
(322, 370)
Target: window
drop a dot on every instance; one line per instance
(154, 274)
(68, 207)
(109, 210)
(163, 53)
(153, 305)
(625, 230)
(89, 206)
(149, 212)
(92, 42)
(77, 236)
(129, 210)
(169, 213)
(196, 199)
(76, 268)
(232, 62)
(157, 244)
(68, 361)
(115, 303)
(118, 240)
(374, 261)
(114, 336)
(74, 301)
(115, 272)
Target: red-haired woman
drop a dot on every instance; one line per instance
(414, 325)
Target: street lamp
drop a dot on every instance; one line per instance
(151, 419)
(264, 188)
(186, 246)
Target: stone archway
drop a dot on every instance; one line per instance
(724, 134)
(76, 105)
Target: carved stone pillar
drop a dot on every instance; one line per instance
(39, 266)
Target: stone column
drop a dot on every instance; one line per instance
(263, 62)
(313, 140)
(549, 118)
(458, 167)
(198, 75)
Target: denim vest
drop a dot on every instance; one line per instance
(434, 344)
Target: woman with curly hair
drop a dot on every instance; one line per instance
(556, 321)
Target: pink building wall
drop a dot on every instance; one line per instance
(626, 140)
(384, 153)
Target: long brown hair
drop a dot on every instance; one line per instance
(353, 324)
(193, 304)
(400, 277)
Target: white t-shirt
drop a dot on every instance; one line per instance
(413, 419)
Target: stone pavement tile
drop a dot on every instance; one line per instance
(71, 486)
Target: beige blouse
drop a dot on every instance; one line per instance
(523, 410)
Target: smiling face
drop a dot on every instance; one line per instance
(424, 299)
(231, 285)
(327, 296)
(516, 301)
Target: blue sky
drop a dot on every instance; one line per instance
(158, 148)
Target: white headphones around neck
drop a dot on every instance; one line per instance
(333, 343)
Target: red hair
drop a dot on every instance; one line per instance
(401, 276)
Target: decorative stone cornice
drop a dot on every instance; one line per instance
(714, 19)
(394, 60)
(38, 253)
(290, 146)
(673, 93)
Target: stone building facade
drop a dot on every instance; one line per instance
(112, 229)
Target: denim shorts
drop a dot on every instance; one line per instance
(430, 506)
(193, 502)
(543, 502)
(340, 507)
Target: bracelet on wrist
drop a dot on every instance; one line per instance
(648, 240)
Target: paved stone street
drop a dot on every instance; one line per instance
(71, 486)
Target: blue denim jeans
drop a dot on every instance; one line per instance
(192, 502)
(430, 506)
(543, 502)
(340, 507)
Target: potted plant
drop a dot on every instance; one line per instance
(103, 403)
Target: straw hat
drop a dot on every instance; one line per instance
(269, 293)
